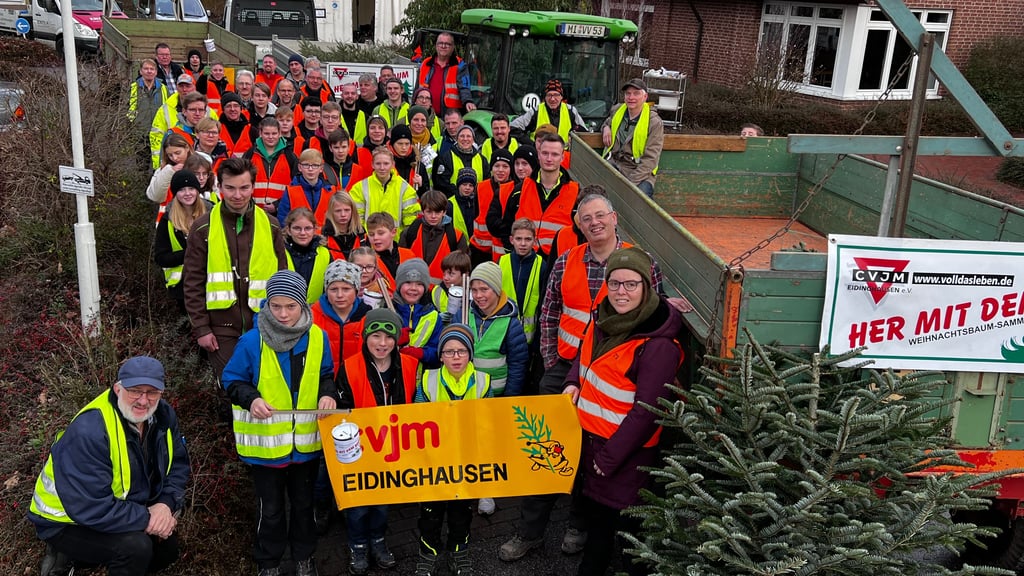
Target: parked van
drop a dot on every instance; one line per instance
(173, 10)
(46, 26)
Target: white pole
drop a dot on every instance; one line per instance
(85, 237)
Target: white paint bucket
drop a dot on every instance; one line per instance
(210, 46)
(372, 299)
(346, 442)
(455, 300)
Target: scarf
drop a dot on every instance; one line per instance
(618, 327)
(282, 338)
(421, 140)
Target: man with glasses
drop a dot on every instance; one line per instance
(314, 84)
(447, 77)
(114, 482)
(167, 70)
(168, 116)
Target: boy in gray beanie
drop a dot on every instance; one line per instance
(420, 320)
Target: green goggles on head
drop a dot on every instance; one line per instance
(381, 326)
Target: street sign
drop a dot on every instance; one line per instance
(531, 101)
(22, 26)
(76, 180)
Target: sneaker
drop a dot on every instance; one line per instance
(275, 571)
(573, 541)
(425, 565)
(382, 557)
(517, 547)
(55, 564)
(486, 506)
(322, 516)
(306, 567)
(358, 559)
(459, 563)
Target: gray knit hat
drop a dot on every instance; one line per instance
(466, 127)
(342, 271)
(466, 175)
(460, 333)
(489, 273)
(287, 283)
(412, 270)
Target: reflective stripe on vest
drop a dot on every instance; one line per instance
(487, 356)
(423, 329)
(277, 436)
(315, 286)
(640, 133)
(173, 275)
(458, 220)
(606, 394)
(444, 248)
(391, 116)
(220, 272)
(371, 185)
(527, 310)
(451, 96)
(564, 122)
(487, 149)
(552, 219)
(436, 390)
(271, 181)
(577, 304)
(439, 297)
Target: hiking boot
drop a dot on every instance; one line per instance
(306, 567)
(486, 506)
(275, 571)
(517, 547)
(382, 557)
(55, 564)
(459, 563)
(358, 559)
(425, 565)
(573, 541)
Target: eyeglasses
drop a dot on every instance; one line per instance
(210, 132)
(423, 97)
(599, 216)
(381, 326)
(629, 285)
(369, 268)
(133, 394)
(309, 165)
(303, 229)
(459, 353)
(310, 112)
(196, 110)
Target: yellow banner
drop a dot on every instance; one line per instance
(489, 448)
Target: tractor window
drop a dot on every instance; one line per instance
(482, 56)
(585, 67)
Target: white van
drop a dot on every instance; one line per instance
(173, 10)
(47, 28)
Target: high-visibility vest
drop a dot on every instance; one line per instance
(345, 340)
(173, 275)
(481, 237)
(424, 327)
(335, 248)
(396, 198)
(497, 247)
(275, 437)
(528, 309)
(213, 95)
(458, 220)
(238, 147)
(357, 132)
(451, 97)
(324, 93)
(640, 133)
(577, 305)
(436, 389)
(271, 181)
(487, 149)
(439, 297)
(297, 199)
(46, 502)
(548, 222)
(359, 381)
(302, 143)
(487, 356)
(606, 394)
(448, 243)
(315, 286)
(270, 80)
(392, 116)
(220, 271)
(457, 164)
(133, 98)
(564, 121)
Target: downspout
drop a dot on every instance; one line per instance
(700, 40)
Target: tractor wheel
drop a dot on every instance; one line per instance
(1003, 551)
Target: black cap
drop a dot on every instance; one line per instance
(184, 179)
(401, 132)
(502, 155)
(229, 97)
(529, 153)
(635, 83)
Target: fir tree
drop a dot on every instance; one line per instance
(789, 465)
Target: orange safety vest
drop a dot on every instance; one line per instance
(606, 394)
(359, 382)
(335, 249)
(403, 255)
(481, 238)
(271, 181)
(451, 96)
(297, 198)
(301, 143)
(324, 94)
(577, 305)
(213, 95)
(239, 147)
(345, 340)
(550, 221)
(497, 248)
(270, 81)
(443, 249)
(567, 239)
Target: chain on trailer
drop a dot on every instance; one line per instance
(735, 266)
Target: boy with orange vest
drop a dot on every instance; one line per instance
(548, 199)
(380, 232)
(432, 237)
(308, 190)
(276, 165)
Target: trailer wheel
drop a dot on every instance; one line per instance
(1003, 551)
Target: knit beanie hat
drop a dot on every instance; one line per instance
(184, 179)
(466, 127)
(459, 333)
(342, 271)
(379, 119)
(296, 58)
(413, 111)
(287, 283)
(401, 132)
(502, 155)
(529, 153)
(554, 85)
(634, 259)
(489, 273)
(465, 175)
(382, 320)
(229, 97)
(412, 270)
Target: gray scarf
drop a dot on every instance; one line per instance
(279, 337)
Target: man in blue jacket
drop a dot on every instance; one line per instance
(114, 483)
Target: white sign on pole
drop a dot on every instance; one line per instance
(341, 73)
(926, 304)
(76, 180)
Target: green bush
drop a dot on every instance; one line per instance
(1011, 171)
(998, 76)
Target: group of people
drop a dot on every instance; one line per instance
(317, 273)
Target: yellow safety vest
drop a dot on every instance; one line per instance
(435, 385)
(220, 273)
(421, 332)
(487, 150)
(173, 275)
(478, 167)
(458, 220)
(275, 437)
(396, 198)
(564, 122)
(392, 116)
(528, 309)
(315, 286)
(640, 133)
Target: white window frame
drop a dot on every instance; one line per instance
(854, 26)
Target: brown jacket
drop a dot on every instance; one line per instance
(235, 320)
(622, 150)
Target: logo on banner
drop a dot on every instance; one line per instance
(879, 274)
(340, 73)
(544, 452)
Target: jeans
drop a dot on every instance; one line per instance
(366, 523)
(273, 530)
(124, 554)
(647, 187)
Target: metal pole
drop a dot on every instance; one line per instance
(909, 156)
(85, 237)
(889, 198)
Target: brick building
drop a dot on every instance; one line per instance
(842, 50)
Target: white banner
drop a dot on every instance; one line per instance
(341, 73)
(926, 304)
